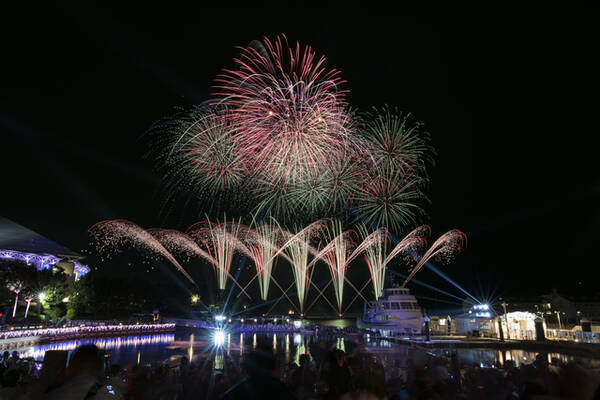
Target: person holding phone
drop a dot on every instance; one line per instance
(84, 378)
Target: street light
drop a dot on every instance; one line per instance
(558, 318)
(506, 320)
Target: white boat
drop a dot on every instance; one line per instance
(396, 311)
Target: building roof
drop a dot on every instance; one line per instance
(16, 237)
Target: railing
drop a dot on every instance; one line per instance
(572, 336)
(75, 323)
(190, 323)
(249, 327)
(520, 334)
(82, 331)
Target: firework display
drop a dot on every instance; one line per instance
(279, 142)
(392, 182)
(324, 241)
(287, 109)
(377, 258)
(280, 129)
(443, 249)
(298, 248)
(220, 241)
(180, 243)
(337, 255)
(115, 235)
(260, 244)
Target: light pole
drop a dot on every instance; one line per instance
(558, 318)
(506, 320)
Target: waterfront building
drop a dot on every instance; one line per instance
(22, 244)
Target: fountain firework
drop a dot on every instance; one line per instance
(264, 244)
(113, 235)
(444, 249)
(376, 256)
(261, 245)
(336, 254)
(219, 240)
(298, 247)
(179, 242)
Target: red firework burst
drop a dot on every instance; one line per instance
(288, 110)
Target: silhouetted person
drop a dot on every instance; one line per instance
(303, 379)
(260, 384)
(338, 377)
(11, 389)
(13, 361)
(84, 378)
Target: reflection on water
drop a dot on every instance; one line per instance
(487, 358)
(219, 360)
(300, 349)
(286, 347)
(340, 344)
(392, 355)
(120, 347)
(339, 323)
(191, 348)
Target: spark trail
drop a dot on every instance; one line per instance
(113, 235)
(219, 241)
(298, 248)
(375, 253)
(336, 254)
(444, 249)
(261, 245)
(178, 242)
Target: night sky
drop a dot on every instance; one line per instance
(508, 96)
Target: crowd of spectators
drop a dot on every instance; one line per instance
(329, 374)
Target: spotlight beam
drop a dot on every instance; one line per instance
(447, 278)
(321, 295)
(438, 300)
(280, 297)
(356, 296)
(284, 293)
(401, 275)
(356, 290)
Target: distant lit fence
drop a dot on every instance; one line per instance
(190, 323)
(49, 334)
(521, 334)
(249, 326)
(572, 336)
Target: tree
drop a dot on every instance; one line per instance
(56, 294)
(18, 276)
